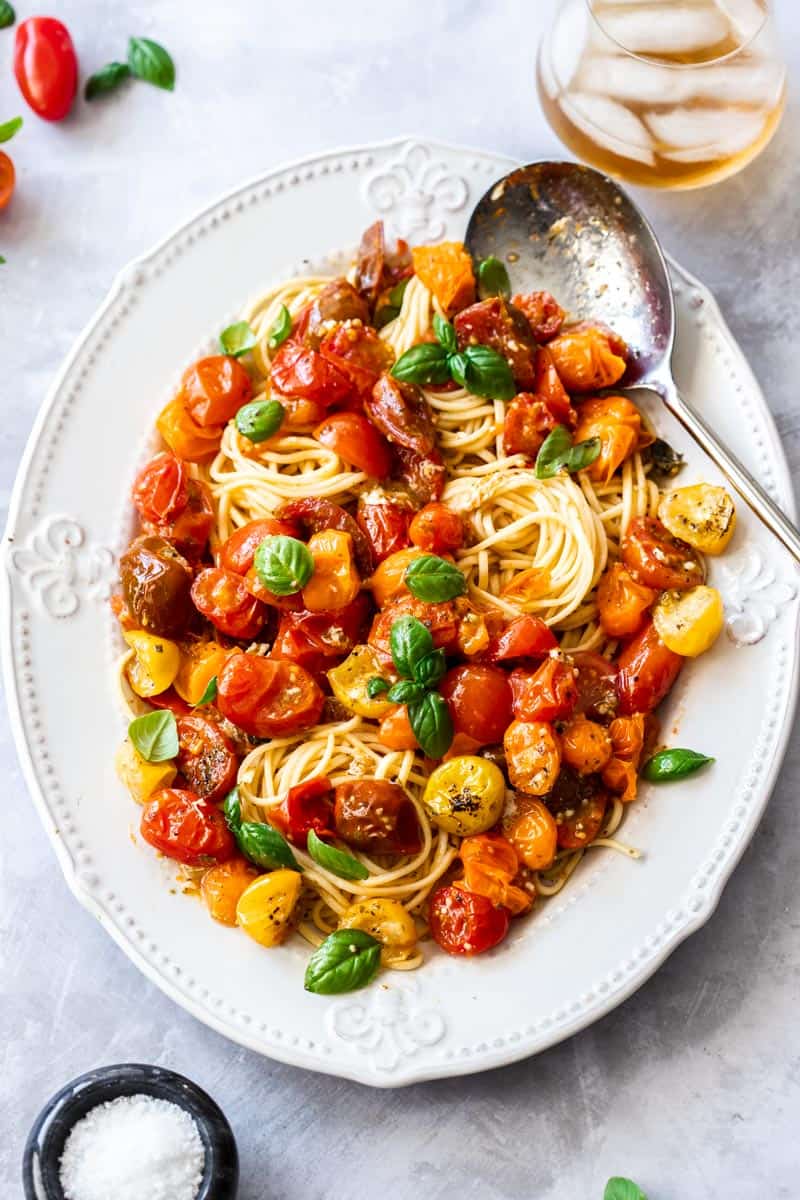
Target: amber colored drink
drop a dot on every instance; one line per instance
(666, 93)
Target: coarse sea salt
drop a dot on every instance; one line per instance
(131, 1148)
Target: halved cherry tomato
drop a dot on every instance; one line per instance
(622, 602)
(436, 529)
(316, 514)
(206, 757)
(402, 414)
(223, 598)
(238, 552)
(533, 756)
(423, 475)
(479, 699)
(657, 559)
(597, 685)
(360, 355)
(544, 315)
(385, 525)
(525, 636)
(490, 864)
(268, 697)
(7, 179)
(441, 619)
(184, 827)
(579, 808)
(307, 806)
(46, 66)
(498, 324)
(191, 529)
(376, 815)
(395, 732)
(160, 491)
(184, 436)
(357, 441)
(462, 922)
(647, 670)
(214, 389)
(616, 421)
(589, 357)
(304, 374)
(547, 694)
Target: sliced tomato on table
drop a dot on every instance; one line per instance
(356, 440)
(184, 827)
(307, 806)
(268, 697)
(206, 758)
(647, 670)
(463, 922)
(479, 699)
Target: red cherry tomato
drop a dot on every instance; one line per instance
(579, 808)
(46, 66)
(292, 645)
(170, 700)
(184, 827)
(315, 515)
(7, 179)
(657, 559)
(268, 697)
(523, 637)
(307, 806)
(214, 389)
(333, 633)
(206, 757)
(549, 388)
(547, 694)
(304, 374)
(440, 619)
(422, 474)
(238, 552)
(385, 525)
(160, 491)
(401, 412)
(647, 671)
(224, 599)
(360, 355)
(502, 327)
(479, 699)
(357, 441)
(437, 529)
(463, 922)
(376, 815)
(544, 314)
(190, 530)
(528, 421)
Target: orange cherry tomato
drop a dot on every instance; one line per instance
(657, 559)
(463, 922)
(533, 756)
(525, 636)
(160, 492)
(224, 599)
(622, 602)
(184, 827)
(388, 579)
(579, 808)
(7, 179)
(446, 270)
(360, 355)
(304, 374)
(616, 421)
(490, 864)
(206, 758)
(588, 357)
(238, 552)
(357, 442)
(647, 670)
(222, 885)
(268, 697)
(46, 66)
(545, 316)
(335, 582)
(307, 806)
(479, 699)
(531, 830)
(385, 525)
(547, 694)
(214, 389)
(395, 730)
(627, 737)
(585, 745)
(183, 435)
(436, 529)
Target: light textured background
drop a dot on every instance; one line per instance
(693, 1086)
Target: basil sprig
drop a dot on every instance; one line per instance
(392, 305)
(9, 128)
(618, 1188)
(151, 62)
(348, 959)
(260, 419)
(479, 368)
(673, 764)
(261, 843)
(558, 453)
(210, 693)
(341, 864)
(405, 691)
(155, 735)
(422, 666)
(280, 328)
(7, 14)
(106, 80)
(493, 278)
(434, 579)
(237, 339)
(283, 564)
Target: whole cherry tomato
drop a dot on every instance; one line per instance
(527, 422)
(357, 441)
(307, 806)
(376, 815)
(160, 492)
(622, 602)
(292, 645)
(479, 699)
(597, 685)
(360, 355)
(156, 584)
(184, 436)
(436, 529)
(214, 389)
(462, 922)
(525, 636)
(547, 694)
(332, 633)
(223, 598)
(402, 414)
(502, 327)
(544, 314)
(268, 697)
(589, 357)
(184, 827)
(385, 525)
(206, 757)
(238, 552)
(647, 671)
(7, 179)
(46, 66)
(657, 559)
(304, 374)
(578, 805)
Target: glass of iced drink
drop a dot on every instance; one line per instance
(668, 93)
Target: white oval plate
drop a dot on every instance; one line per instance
(581, 953)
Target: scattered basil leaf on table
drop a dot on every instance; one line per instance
(423, 364)
(673, 764)
(377, 686)
(232, 810)
(392, 305)
(410, 641)
(341, 864)
(622, 1189)
(493, 278)
(155, 735)
(431, 724)
(150, 61)
(280, 328)
(106, 80)
(260, 419)
(430, 669)
(264, 846)
(488, 374)
(237, 339)
(283, 564)
(434, 579)
(9, 128)
(557, 452)
(445, 334)
(210, 693)
(405, 692)
(7, 14)
(348, 959)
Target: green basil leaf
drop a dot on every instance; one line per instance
(7, 14)
(209, 695)
(665, 460)
(264, 846)
(155, 735)
(237, 339)
(348, 959)
(9, 128)
(426, 363)
(280, 328)
(283, 564)
(459, 365)
(493, 278)
(445, 334)
(622, 1189)
(430, 669)
(431, 725)
(260, 419)
(2, 260)
(434, 579)
(557, 453)
(673, 764)
(106, 80)
(392, 305)
(335, 860)
(410, 641)
(377, 686)
(583, 454)
(232, 811)
(488, 374)
(151, 62)
(405, 692)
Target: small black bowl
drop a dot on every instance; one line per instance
(45, 1144)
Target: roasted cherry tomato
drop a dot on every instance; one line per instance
(402, 414)
(268, 697)
(378, 267)
(647, 670)
(627, 735)
(547, 694)
(154, 665)
(338, 301)
(589, 357)
(332, 633)
(436, 529)
(531, 829)
(385, 525)
(238, 552)
(526, 636)
(542, 312)
(206, 757)
(548, 387)
(395, 732)
(316, 514)
(292, 645)
(7, 179)
(266, 908)
(376, 815)
(190, 530)
(304, 374)
(597, 685)
(533, 756)
(462, 922)
(360, 355)
(617, 423)
(184, 436)
(222, 886)
(422, 475)
(498, 324)
(335, 582)
(387, 921)
(657, 559)
(479, 699)
(184, 827)
(490, 864)
(389, 579)
(214, 389)
(441, 619)
(689, 622)
(465, 794)
(622, 602)
(200, 663)
(579, 808)
(307, 806)
(46, 66)
(585, 745)
(703, 515)
(156, 583)
(357, 442)
(527, 423)
(223, 598)
(171, 700)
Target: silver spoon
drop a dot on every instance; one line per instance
(572, 231)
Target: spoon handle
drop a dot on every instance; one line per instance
(751, 492)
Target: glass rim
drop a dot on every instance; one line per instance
(676, 66)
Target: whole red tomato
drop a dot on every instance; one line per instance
(525, 636)
(160, 492)
(214, 389)
(463, 922)
(356, 440)
(647, 670)
(46, 66)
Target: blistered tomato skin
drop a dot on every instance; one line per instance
(465, 795)
(465, 923)
(479, 699)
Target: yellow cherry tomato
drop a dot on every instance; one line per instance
(336, 581)
(142, 778)
(689, 622)
(388, 579)
(222, 887)
(264, 909)
(155, 664)
(465, 795)
(349, 684)
(199, 664)
(385, 920)
(702, 515)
